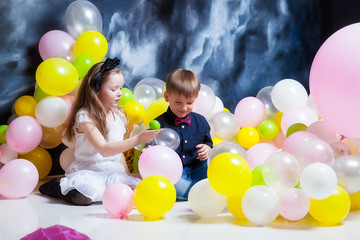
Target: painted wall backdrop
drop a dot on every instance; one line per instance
(236, 47)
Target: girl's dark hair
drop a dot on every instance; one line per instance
(87, 99)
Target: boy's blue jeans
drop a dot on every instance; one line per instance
(190, 176)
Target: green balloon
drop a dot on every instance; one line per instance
(39, 94)
(126, 96)
(296, 127)
(82, 64)
(154, 125)
(3, 129)
(257, 176)
(268, 130)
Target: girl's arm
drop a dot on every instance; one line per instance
(107, 149)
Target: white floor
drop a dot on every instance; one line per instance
(23, 216)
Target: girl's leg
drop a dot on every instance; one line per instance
(52, 188)
(77, 198)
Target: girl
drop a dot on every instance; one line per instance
(98, 127)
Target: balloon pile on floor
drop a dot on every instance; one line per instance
(283, 152)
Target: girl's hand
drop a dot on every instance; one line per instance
(147, 136)
(204, 151)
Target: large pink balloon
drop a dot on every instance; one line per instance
(24, 134)
(54, 43)
(334, 81)
(19, 178)
(118, 200)
(249, 112)
(161, 160)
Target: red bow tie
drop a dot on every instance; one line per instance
(186, 120)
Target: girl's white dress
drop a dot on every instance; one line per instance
(91, 173)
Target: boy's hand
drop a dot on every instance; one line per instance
(204, 151)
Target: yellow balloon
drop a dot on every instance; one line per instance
(52, 137)
(234, 206)
(155, 109)
(229, 174)
(331, 210)
(227, 110)
(134, 112)
(216, 141)
(57, 76)
(41, 158)
(355, 200)
(155, 196)
(91, 43)
(277, 119)
(248, 137)
(25, 106)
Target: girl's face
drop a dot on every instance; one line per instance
(179, 104)
(110, 91)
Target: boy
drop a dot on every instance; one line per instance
(182, 88)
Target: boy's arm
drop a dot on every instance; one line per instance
(207, 137)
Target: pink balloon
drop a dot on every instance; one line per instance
(54, 43)
(24, 134)
(293, 142)
(334, 81)
(298, 114)
(118, 200)
(161, 160)
(19, 178)
(258, 153)
(294, 204)
(323, 131)
(249, 112)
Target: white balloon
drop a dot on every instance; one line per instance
(264, 95)
(225, 125)
(168, 137)
(145, 95)
(260, 204)
(7, 154)
(318, 181)
(205, 201)
(347, 169)
(281, 171)
(157, 84)
(288, 93)
(227, 146)
(66, 158)
(51, 111)
(205, 101)
(219, 107)
(82, 16)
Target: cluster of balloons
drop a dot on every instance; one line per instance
(38, 121)
(287, 157)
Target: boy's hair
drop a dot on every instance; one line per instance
(88, 99)
(183, 82)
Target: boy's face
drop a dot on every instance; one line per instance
(179, 104)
